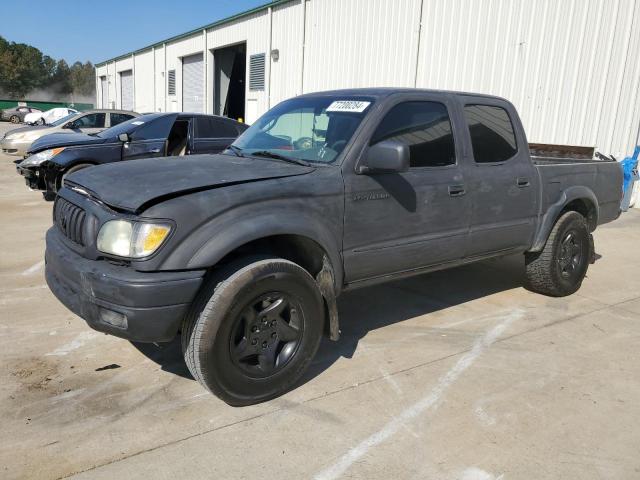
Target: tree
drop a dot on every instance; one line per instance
(83, 79)
(60, 82)
(24, 69)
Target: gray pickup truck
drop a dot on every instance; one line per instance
(244, 253)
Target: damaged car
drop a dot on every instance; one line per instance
(55, 156)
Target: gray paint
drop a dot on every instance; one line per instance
(373, 226)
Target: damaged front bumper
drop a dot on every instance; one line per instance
(41, 177)
(116, 299)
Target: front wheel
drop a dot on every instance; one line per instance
(40, 122)
(558, 270)
(14, 119)
(253, 330)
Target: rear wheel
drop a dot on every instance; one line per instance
(253, 330)
(558, 270)
(14, 119)
(40, 121)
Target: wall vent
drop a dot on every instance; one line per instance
(171, 82)
(256, 72)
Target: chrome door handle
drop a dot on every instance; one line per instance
(523, 182)
(155, 150)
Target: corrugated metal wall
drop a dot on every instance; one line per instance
(571, 67)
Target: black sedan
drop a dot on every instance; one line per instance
(53, 157)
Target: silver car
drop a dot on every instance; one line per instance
(17, 142)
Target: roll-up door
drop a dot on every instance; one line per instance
(192, 83)
(126, 89)
(104, 87)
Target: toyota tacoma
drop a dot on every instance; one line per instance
(244, 253)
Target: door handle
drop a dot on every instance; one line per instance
(155, 150)
(456, 190)
(523, 182)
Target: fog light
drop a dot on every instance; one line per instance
(115, 319)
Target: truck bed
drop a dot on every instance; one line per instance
(602, 177)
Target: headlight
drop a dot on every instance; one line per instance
(43, 156)
(131, 239)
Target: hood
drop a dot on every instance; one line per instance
(27, 129)
(64, 140)
(134, 184)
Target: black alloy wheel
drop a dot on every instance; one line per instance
(266, 335)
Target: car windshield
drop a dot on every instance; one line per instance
(63, 120)
(127, 127)
(312, 129)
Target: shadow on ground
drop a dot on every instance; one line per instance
(378, 306)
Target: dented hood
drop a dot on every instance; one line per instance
(133, 184)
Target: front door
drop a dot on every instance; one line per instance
(152, 138)
(399, 222)
(89, 123)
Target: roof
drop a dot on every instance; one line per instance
(195, 30)
(381, 92)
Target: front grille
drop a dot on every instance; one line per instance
(70, 220)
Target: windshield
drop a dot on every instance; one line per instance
(127, 127)
(63, 120)
(314, 129)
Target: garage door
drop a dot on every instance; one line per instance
(104, 88)
(126, 89)
(192, 83)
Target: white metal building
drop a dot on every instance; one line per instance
(571, 67)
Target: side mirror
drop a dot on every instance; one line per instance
(124, 137)
(385, 157)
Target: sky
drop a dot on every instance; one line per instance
(92, 30)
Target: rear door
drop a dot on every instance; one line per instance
(400, 222)
(212, 135)
(502, 183)
(150, 140)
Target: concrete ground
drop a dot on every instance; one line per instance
(460, 374)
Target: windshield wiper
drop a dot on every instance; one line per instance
(236, 150)
(277, 156)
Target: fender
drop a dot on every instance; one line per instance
(213, 240)
(553, 212)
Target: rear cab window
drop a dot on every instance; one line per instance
(425, 127)
(493, 138)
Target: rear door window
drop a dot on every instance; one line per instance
(492, 135)
(425, 127)
(117, 118)
(206, 127)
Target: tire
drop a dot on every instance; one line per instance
(40, 121)
(238, 354)
(14, 119)
(75, 168)
(558, 270)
